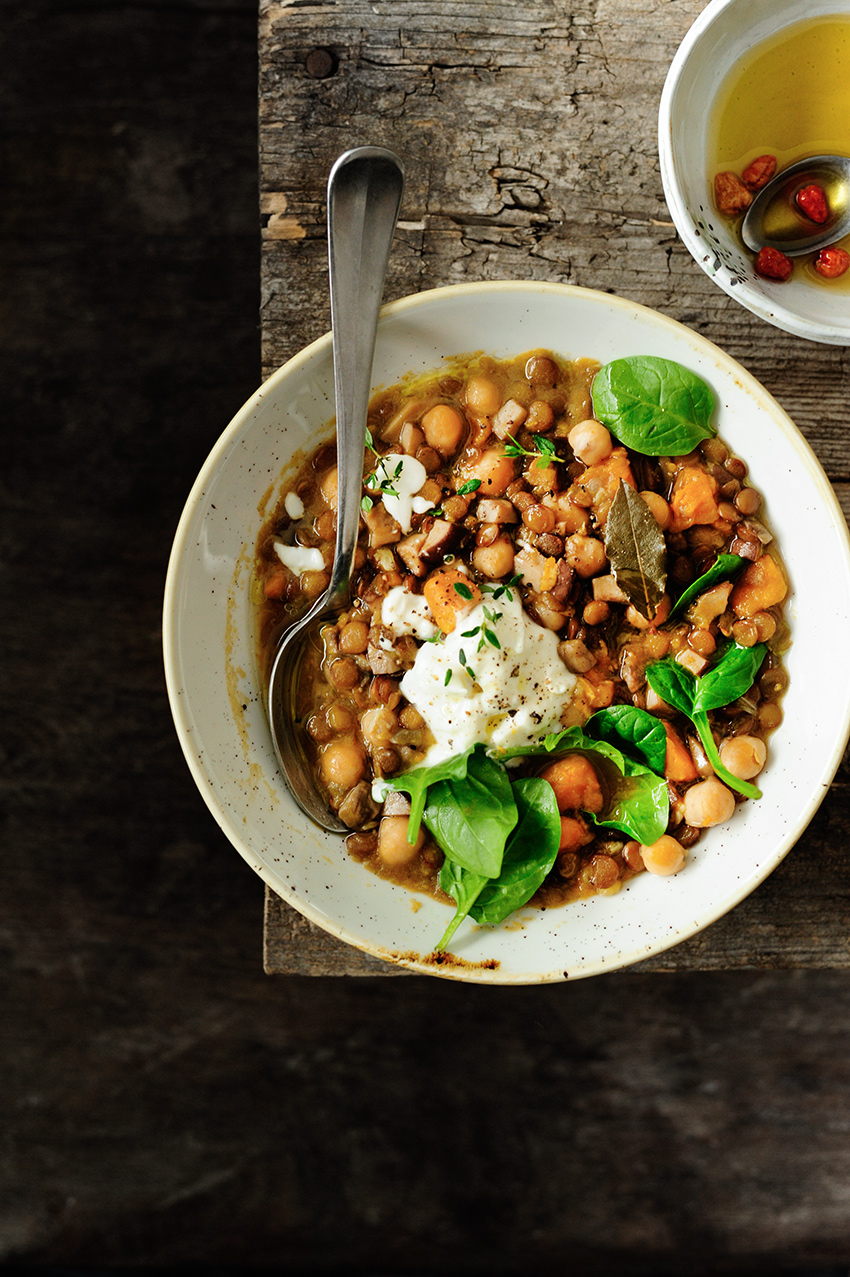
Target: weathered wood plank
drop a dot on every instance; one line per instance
(529, 136)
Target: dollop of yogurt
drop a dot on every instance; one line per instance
(399, 479)
(407, 613)
(503, 694)
(299, 558)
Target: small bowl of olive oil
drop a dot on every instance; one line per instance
(756, 78)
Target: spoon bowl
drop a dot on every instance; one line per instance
(364, 196)
(774, 219)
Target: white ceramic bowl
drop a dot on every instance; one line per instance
(217, 702)
(725, 31)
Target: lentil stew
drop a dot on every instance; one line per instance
(607, 621)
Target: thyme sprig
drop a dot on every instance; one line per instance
(544, 452)
(383, 486)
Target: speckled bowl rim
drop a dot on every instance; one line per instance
(689, 927)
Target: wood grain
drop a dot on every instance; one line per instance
(529, 136)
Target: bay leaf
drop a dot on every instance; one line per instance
(637, 551)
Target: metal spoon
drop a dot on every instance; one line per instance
(364, 195)
(773, 218)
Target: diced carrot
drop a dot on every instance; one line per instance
(598, 485)
(603, 688)
(761, 585)
(693, 499)
(575, 783)
(446, 602)
(678, 764)
(574, 834)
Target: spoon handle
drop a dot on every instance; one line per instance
(364, 195)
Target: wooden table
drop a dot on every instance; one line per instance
(529, 136)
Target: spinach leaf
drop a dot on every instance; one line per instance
(636, 799)
(415, 783)
(529, 856)
(655, 406)
(638, 803)
(673, 683)
(628, 727)
(471, 818)
(730, 677)
(723, 568)
(568, 738)
(464, 888)
(636, 550)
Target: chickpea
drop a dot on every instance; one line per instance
(640, 622)
(443, 426)
(659, 507)
(743, 756)
(495, 471)
(585, 554)
(342, 763)
(354, 638)
(329, 487)
(708, 802)
(483, 397)
(666, 856)
(494, 560)
(393, 847)
(590, 441)
(378, 726)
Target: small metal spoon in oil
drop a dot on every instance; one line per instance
(774, 219)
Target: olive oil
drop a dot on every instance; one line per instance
(790, 97)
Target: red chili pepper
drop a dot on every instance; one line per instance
(811, 201)
(832, 262)
(773, 265)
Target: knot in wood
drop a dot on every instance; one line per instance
(320, 63)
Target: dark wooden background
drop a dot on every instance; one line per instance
(162, 1102)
